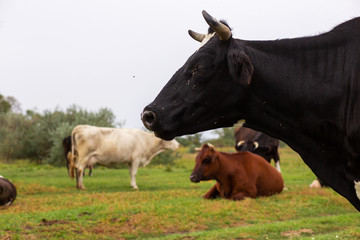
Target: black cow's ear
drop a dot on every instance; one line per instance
(240, 66)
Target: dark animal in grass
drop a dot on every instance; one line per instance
(7, 192)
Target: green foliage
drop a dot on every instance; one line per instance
(166, 158)
(5, 106)
(8, 104)
(225, 137)
(188, 140)
(39, 137)
(56, 136)
(12, 128)
(191, 141)
(60, 125)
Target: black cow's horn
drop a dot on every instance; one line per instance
(197, 36)
(221, 29)
(240, 143)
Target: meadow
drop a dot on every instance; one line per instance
(168, 206)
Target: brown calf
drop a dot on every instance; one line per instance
(70, 159)
(238, 175)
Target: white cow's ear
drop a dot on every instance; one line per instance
(240, 67)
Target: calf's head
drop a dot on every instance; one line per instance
(206, 164)
(204, 93)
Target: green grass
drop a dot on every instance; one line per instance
(168, 206)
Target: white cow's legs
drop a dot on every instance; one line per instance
(133, 167)
(79, 174)
(79, 178)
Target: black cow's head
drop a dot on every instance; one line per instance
(248, 145)
(203, 93)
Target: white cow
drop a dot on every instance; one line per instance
(111, 146)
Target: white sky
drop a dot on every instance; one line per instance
(119, 54)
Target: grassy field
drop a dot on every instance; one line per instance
(168, 206)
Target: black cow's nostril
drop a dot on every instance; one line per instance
(148, 118)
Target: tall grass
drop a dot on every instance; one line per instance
(168, 206)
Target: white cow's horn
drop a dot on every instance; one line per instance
(221, 29)
(256, 145)
(197, 36)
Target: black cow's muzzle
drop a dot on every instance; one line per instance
(152, 121)
(149, 119)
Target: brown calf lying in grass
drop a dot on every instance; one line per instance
(238, 175)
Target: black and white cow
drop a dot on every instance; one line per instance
(303, 91)
(259, 143)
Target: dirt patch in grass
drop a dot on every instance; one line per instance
(34, 188)
(45, 222)
(144, 223)
(297, 233)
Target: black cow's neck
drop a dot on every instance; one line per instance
(303, 91)
(294, 80)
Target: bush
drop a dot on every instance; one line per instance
(166, 159)
(64, 124)
(39, 137)
(225, 137)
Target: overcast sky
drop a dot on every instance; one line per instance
(119, 54)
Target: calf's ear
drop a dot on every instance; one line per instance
(240, 66)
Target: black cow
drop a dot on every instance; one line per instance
(66, 142)
(303, 91)
(259, 143)
(67, 152)
(7, 192)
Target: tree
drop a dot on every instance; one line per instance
(5, 106)
(190, 141)
(60, 125)
(38, 136)
(225, 137)
(15, 105)
(8, 104)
